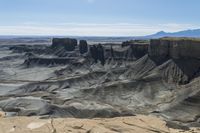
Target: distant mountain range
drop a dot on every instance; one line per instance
(186, 33)
(108, 39)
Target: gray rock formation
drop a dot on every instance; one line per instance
(83, 46)
(179, 58)
(175, 48)
(139, 50)
(129, 50)
(97, 53)
(66, 43)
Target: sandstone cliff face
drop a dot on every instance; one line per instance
(175, 48)
(66, 43)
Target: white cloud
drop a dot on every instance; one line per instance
(91, 29)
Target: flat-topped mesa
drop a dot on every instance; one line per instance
(67, 43)
(175, 48)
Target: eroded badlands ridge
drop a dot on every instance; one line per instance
(159, 77)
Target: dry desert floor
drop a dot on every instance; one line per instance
(135, 124)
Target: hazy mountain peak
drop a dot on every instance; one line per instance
(161, 32)
(185, 33)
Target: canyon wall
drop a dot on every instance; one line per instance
(159, 50)
(179, 58)
(129, 50)
(175, 48)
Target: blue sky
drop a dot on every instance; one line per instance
(97, 17)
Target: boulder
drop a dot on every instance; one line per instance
(67, 43)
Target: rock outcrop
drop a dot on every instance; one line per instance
(128, 51)
(97, 53)
(67, 43)
(119, 53)
(179, 57)
(83, 46)
(139, 50)
(175, 48)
